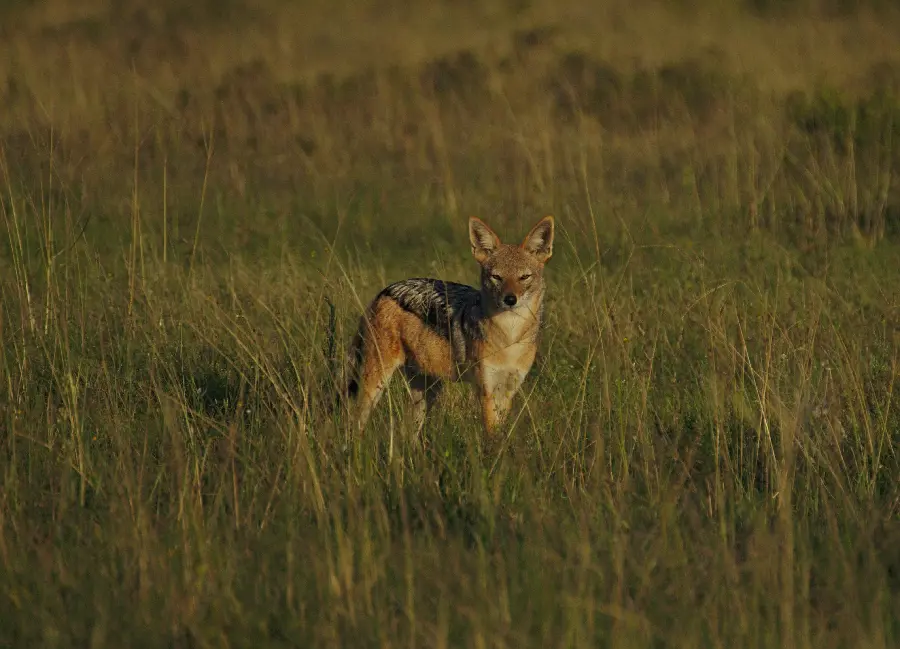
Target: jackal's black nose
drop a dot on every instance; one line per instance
(509, 300)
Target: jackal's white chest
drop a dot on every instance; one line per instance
(510, 343)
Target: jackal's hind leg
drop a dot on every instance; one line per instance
(378, 368)
(425, 391)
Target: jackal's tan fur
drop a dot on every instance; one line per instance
(435, 331)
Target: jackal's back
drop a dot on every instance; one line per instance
(435, 302)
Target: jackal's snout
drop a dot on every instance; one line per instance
(510, 299)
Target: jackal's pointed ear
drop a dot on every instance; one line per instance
(539, 241)
(484, 241)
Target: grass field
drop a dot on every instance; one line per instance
(705, 453)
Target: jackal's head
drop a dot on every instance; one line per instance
(511, 275)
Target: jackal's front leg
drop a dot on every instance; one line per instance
(497, 391)
(491, 414)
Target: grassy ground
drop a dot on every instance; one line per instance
(705, 452)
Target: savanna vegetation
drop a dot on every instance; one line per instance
(197, 200)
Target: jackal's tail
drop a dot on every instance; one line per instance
(340, 385)
(351, 388)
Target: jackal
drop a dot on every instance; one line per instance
(436, 331)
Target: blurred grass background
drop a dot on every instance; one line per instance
(704, 454)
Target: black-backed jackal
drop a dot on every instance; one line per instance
(435, 331)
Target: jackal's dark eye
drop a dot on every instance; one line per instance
(496, 278)
(524, 277)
